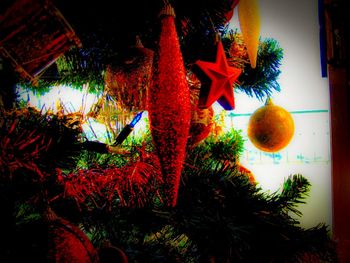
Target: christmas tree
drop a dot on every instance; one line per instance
(173, 193)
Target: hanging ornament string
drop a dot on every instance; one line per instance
(169, 106)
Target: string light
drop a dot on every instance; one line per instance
(127, 129)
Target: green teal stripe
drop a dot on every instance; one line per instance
(307, 111)
(292, 112)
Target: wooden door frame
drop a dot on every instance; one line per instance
(337, 39)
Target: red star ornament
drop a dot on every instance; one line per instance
(222, 77)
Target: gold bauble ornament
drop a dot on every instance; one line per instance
(270, 127)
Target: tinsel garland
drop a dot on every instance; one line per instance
(132, 185)
(30, 141)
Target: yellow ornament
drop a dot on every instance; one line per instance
(249, 20)
(270, 127)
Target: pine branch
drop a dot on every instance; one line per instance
(51, 140)
(225, 148)
(85, 65)
(262, 80)
(295, 190)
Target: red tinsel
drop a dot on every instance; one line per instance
(20, 150)
(169, 107)
(130, 185)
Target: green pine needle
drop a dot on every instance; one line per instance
(261, 81)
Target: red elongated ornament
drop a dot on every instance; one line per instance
(169, 106)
